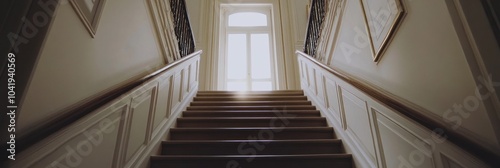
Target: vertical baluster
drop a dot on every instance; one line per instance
(316, 16)
(182, 28)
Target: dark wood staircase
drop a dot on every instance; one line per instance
(224, 129)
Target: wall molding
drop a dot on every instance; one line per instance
(162, 18)
(413, 120)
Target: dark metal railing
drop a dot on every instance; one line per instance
(316, 17)
(182, 27)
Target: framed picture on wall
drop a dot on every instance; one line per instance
(89, 12)
(382, 18)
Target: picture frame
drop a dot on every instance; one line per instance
(382, 18)
(89, 12)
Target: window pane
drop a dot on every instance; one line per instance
(236, 60)
(236, 86)
(247, 19)
(261, 60)
(262, 86)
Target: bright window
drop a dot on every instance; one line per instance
(247, 43)
(247, 19)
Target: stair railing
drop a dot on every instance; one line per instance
(316, 17)
(182, 27)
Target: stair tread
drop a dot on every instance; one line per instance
(277, 107)
(211, 91)
(226, 114)
(253, 111)
(253, 102)
(213, 128)
(239, 104)
(242, 141)
(251, 118)
(253, 97)
(253, 128)
(250, 94)
(302, 156)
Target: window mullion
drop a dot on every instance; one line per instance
(249, 62)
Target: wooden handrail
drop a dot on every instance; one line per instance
(485, 154)
(72, 114)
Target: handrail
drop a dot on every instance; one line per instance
(73, 114)
(490, 157)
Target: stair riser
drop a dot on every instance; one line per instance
(264, 134)
(255, 163)
(251, 123)
(270, 103)
(238, 92)
(235, 108)
(246, 114)
(265, 129)
(283, 98)
(247, 95)
(251, 148)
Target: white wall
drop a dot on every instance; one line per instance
(298, 11)
(74, 66)
(425, 64)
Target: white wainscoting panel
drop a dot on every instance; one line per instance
(357, 121)
(141, 111)
(332, 101)
(376, 135)
(401, 148)
(177, 91)
(162, 111)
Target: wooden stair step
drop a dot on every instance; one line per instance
(276, 107)
(248, 103)
(221, 94)
(255, 113)
(257, 129)
(253, 161)
(261, 133)
(247, 98)
(228, 91)
(252, 122)
(253, 147)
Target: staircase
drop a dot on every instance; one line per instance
(224, 129)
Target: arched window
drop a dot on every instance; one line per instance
(248, 47)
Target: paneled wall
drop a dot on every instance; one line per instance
(434, 61)
(123, 133)
(376, 135)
